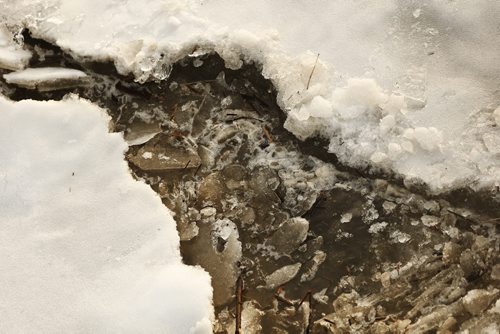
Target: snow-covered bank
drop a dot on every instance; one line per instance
(414, 93)
(85, 247)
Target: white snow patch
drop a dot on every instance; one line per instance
(410, 61)
(86, 247)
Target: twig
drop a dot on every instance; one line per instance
(490, 220)
(239, 303)
(267, 134)
(236, 118)
(462, 216)
(310, 75)
(308, 296)
(202, 102)
(187, 164)
(283, 299)
(197, 169)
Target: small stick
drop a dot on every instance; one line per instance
(187, 165)
(284, 300)
(310, 75)
(239, 303)
(308, 296)
(490, 220)
(202, 102)
(197, 169)
(267, 134)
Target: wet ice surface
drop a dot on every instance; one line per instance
(251, 202)
(46, 78)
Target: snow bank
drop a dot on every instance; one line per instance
(85, 247)
(414, 90)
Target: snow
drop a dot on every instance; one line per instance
(86, 248)
(410, 86)
(12, 56)
(46, 78)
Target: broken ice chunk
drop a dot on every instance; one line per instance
(428, 138)
(316, 261)
(414, 103)
(139, 133)
(47, 78)
(496, 116)
(377, 227)
(282, 275)
(429, 220)
(476, 301)
(250, 319)
(492, 142)
(218, 249)
(289, 235)
(156, 158)
(12, 56)
(400, 237)
(346, 218)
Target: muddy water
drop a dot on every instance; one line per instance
(256, 206)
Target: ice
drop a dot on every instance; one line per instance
(12, 56)
(46, 78)
(87, 248)
(496, 116)
(250, 320)
(317, 260)
(401, 237)
(139, 133)
(476, 301)
(217, 246)
(282, 275)
(289, 235)
(152, 157)
(429, 220)
(346, 217)
(377, 227)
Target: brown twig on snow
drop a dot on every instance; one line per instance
(312, 72)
